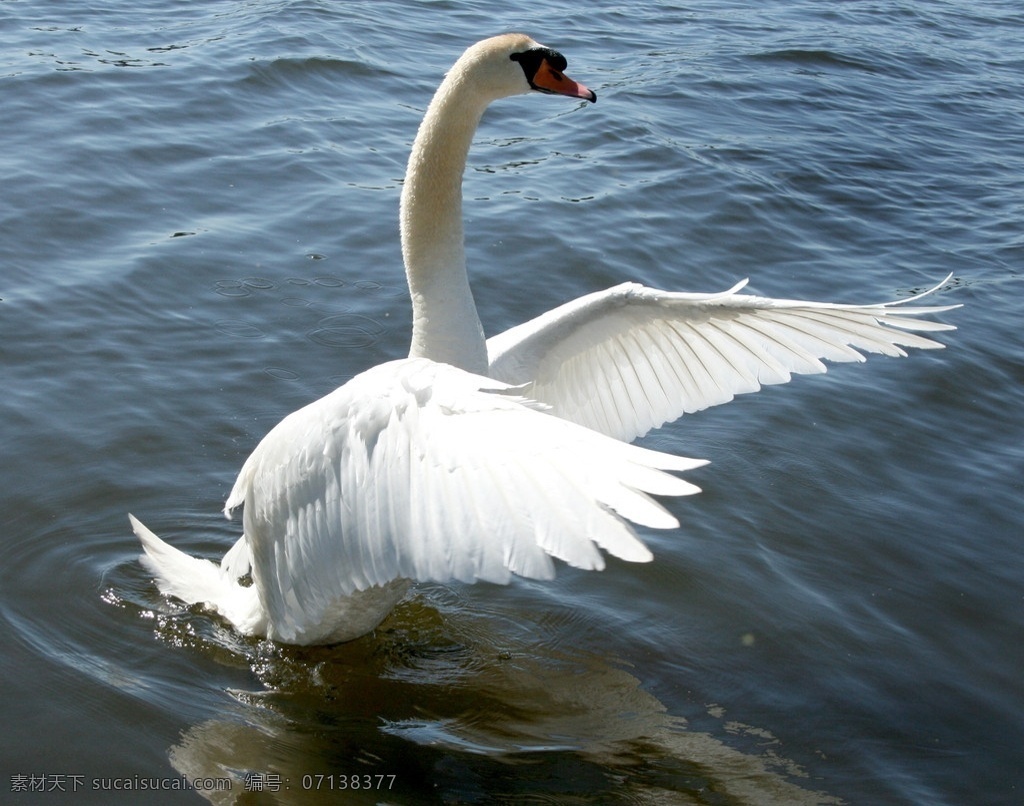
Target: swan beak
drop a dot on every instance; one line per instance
(548, 79)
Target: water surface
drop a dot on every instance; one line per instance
(198, 235)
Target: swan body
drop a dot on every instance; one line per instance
(478, 459)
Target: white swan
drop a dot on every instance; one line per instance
(477, 459)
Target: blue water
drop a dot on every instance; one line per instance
(198, 234)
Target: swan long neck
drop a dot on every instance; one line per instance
(446, 326)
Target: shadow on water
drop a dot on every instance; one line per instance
(448, 702)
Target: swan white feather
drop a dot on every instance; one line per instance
(629, 359)
(473, 460)
(419, 470)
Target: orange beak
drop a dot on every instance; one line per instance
(548, 79)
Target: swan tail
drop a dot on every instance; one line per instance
(197, 581)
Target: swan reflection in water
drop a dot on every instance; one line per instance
(490, 705)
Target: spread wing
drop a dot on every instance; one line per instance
(631, 358)
(422, 471)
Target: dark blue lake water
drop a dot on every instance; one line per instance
(198, 235)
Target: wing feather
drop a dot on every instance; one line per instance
(416, 470)
(629, 359)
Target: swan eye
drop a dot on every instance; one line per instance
(532, 59)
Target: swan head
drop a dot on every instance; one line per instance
(514, 64)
